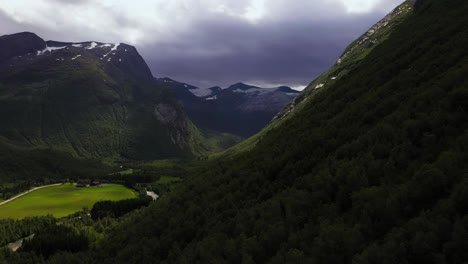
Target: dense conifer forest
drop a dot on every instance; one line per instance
(373, 169)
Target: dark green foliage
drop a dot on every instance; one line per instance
(56, 238)
(373, 169)
(117, 208)
(12, 230)
(23, 168)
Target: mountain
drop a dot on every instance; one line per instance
(372, 169)
(90, 99)
(19, 44)
(240, 109)
(353, 55)
(348, 61)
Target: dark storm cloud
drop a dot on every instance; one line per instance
(222, 52)
(209, 42)
(9, 26)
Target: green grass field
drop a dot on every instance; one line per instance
(62, 200)
(128, 172)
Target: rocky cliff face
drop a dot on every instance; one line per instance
(168, 115)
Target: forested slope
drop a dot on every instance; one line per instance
(89, 99)
(373, 169)
(22, 168)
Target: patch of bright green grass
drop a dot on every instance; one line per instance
(62, 200)
(128, 172)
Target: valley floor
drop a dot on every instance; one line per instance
(61, 200)
(32, 190)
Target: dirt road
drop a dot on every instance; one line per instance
(32, 190)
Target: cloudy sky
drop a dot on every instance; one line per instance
(209, 42)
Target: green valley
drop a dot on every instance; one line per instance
(62, 200)
(369, 164)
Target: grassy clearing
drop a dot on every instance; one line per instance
(62, 200)
(127, 172)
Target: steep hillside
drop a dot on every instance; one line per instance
(353, 55)
(239, 109)
(371, 170)
(90, 99)
(351, 58)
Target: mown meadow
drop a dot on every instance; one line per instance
(62, 200)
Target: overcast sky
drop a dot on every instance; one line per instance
(209, 42)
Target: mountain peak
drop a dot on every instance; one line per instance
(25, 48)
(22, 34)
(216, 89)
(18, 44)
(286, 89)
(241, 86)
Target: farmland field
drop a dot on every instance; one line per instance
(62, 200)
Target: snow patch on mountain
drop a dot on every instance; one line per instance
(201, 92)
(92, 45)
(49, 49)
(112, 50)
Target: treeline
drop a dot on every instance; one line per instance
(12, 230)
(116, 209)
(56, 238)
(75, 233)
(22, 168)
(8, 190)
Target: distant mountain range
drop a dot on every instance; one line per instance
(240, 109)
(96, 99)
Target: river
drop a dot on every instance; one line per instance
(152, 194)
